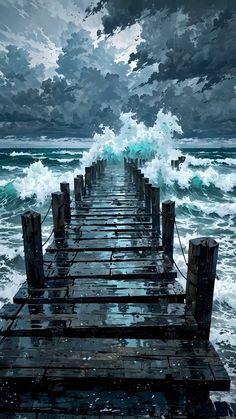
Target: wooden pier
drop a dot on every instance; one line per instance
(102, 327)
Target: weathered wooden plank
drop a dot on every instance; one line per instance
(112, 244)
(103, 290)
(107, 320)
(112, 362)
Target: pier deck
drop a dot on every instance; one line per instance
(109, 333)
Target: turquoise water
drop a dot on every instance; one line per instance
(205, 194)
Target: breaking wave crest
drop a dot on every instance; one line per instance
(39, 181)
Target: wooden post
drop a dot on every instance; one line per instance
(172, 164)
(202, 260)
(65, 189)
(176, 162)
(94, 172)
(88, 177)
(133, 173)
(138, 180)
(168, 223)
(147, 198)
(58, 215)
(182, 159)
(141, 188)
(103, 165)
(77, 189)
(78, 186)
(98, 168)
(32, 236)
(155, 211)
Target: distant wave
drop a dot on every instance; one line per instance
(194, 161)
(20, 153)
(11, 168)
(71, 153)
(219, 209)
(62, 160)
(158, 171)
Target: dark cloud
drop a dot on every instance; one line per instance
(16, 72)
(123, 13)
(184, 62)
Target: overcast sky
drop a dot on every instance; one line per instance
(74, 66)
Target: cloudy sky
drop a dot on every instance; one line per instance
(73, 67)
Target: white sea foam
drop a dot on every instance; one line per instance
(228, 161)
(11, 168)
(158, 170)
(70, 153)
(134, 138)
(10, 283)
(19, 153)
(40, 181)
(4, 182)
(195, 161)
(62, 160)
(220, 209)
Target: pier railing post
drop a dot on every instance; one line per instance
(78, 187)
(94, 172)
(176, 164)
(138, 180)
(88, 177)
(168, 223)
(65, 189)
(32, 236)
(202, 260)
(155, 211)
(147, 197)
(58, 214)
(141, 191)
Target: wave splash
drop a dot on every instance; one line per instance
(39, 181)
(156, 144)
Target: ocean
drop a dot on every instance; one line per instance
(204, 190)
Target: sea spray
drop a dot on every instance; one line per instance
(39, 181)
(135, 140)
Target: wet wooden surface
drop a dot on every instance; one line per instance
(108, 334)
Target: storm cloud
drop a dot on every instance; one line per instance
(69, 68)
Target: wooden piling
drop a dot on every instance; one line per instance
(88, 177)
(138, 180)
(182, 159)
(155, 193)
(65, 189)
(202, 260)
(78, 186)
(58, 215)
(141, 187)
(32, 236)
(147, 198)
(172, 164)
(134, 173)
(94, 172)
(176, 164)
(168, 222)
(98, 165)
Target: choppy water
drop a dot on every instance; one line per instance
(205, 194)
